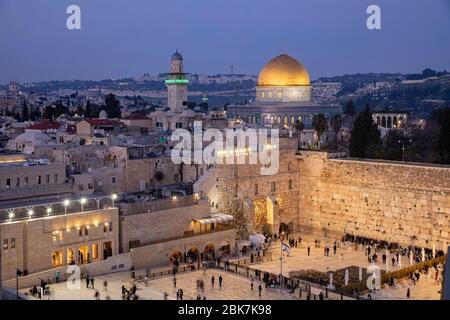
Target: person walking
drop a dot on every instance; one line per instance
(178, 295)
(181, 294)
(105, 285)
(309, 250)
(92, 283)
(87, 281)
(408, 293)
(260, 290)
(251, 284)
(212, 281)
(57, 276)
(220, 281)
(174, 282)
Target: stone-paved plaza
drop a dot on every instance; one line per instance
(238, 287)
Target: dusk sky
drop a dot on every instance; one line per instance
(122, 38)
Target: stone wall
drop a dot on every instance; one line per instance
(159, 254)
(159, 225)
(242, 191)
(393, 201)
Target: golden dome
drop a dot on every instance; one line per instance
(283, 70)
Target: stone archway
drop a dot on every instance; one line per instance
(209, 252)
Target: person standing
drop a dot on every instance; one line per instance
(87, 281)
(408, 293)
(260, 290)
(181, 294)
(309, 250)
(251, 284)
(105, 285)
(220, 281)
(92, 283)
(212, 281)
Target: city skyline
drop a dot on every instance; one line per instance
(122, 40)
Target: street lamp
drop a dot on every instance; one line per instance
(113, 198)
(66, 204)
(49, 211)
(403, 148)
(11, 216)
(82, 202)
(30, 213)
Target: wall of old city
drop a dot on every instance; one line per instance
(258, 202)
(399, 202)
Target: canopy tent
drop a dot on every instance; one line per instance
(215, 218)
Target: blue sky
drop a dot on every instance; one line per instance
(130, 37)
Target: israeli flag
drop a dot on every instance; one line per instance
(286, 248)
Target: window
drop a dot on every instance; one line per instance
(105, 228)
(273, 186)
(55, 178)
(13, 243)
(27, 180)
(80, 232)
(47, 178)
(256, 189)
(8, 183)
(18, 182)
(39, 179)
(110, 226)
(290, 184)
(113, 179)
(86, 231)
(5, 244)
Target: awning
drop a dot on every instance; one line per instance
(215, 218)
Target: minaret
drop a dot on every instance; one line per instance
(177, 85)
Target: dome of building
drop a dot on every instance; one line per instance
(103, 115)
(283, 70)
(177, 56)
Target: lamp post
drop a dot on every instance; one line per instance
(66, 204)
(403, 148)
(82, 202)
(113, 198)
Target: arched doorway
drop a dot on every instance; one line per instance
(192, 255)
(209, 252)
(176, 256)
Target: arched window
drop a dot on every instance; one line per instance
(389, 122)
(278, 119)
(299, 118)
(285, 119)
(292, 119)
(272, 120)
(265, 119)
(383, 121)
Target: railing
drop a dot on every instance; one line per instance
(158, 204)
(40, 209)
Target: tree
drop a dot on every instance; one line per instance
(88, 110)
(299, 127)
(25, 112)
(350, 108)
(112, 106)
(320, 124)
(365, 141)
(442, 117)
(336, 125)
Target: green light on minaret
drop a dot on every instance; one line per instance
(177, 81)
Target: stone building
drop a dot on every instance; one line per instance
(283, 97)
(43, 243)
